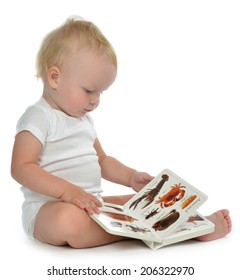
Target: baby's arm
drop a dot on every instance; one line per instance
(114, 171)
(26, 171)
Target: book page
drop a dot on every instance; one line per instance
(115, 221)
(164, 203)
(196, 225)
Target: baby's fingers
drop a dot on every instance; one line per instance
(90, 206)
(96, 201)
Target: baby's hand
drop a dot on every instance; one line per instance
(139, 179)
(82, 199)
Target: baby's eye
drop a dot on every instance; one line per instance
(93, 92)
(88, 91)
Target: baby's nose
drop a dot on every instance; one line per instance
(94, 99)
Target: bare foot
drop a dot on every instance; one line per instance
(223, 225)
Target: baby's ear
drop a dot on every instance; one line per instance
(53, 76)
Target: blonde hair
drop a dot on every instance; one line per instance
(70, 37)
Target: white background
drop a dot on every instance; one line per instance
(174, 105)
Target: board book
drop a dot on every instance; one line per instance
(162, 213)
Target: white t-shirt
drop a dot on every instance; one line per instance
(68, 150)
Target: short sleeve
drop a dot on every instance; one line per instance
(34, 120)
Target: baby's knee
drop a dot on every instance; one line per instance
(75, 223)
(61, 223)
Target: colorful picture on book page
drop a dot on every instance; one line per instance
(113, 220)
(165, 202)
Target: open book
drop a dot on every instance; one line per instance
(162, 213)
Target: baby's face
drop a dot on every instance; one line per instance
(81, 81)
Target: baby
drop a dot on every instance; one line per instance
(57, 156)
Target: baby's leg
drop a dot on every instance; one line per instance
(223, 225)
(60, 223)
